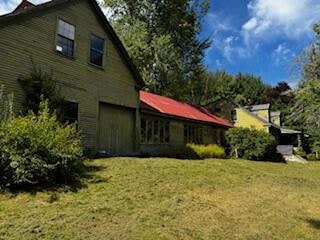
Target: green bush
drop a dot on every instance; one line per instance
(190, 151)
(36, 149)
(312, 157)
(300, 152)
(252, 144)
(207, 151)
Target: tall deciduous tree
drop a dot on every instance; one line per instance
(162, 39)
(306, 111)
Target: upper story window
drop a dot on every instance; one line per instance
(96, 50)
(234, 116)
(65, 38)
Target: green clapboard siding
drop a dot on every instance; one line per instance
(116, 130)
(33, 37)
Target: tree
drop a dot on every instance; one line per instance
(240, 87)
(305, 113)
(281, 98)
(39, 85)
(162, 39)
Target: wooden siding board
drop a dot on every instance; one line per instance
(34, 38)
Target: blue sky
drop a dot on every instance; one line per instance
(261, 37)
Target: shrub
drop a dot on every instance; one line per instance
(38, 85)
(36, 149)
(190, 151)
(300, 152)
(312, 157)
(207, 151)
(252, 144)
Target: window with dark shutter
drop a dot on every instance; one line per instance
(96, 50)
(65, 38)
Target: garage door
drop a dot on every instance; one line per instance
(116, 130)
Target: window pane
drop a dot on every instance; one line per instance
(167, 132)
(96, 57)
(143, 130)
(97, 43)
(162, 123)
(96, 50)
(149, 131)
(66, 30)
(70, 112)
(156, 136)
(65, 46)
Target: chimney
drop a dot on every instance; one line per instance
(24, 5)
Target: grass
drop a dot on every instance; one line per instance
(128, 198)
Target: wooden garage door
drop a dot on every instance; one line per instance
(116, 130)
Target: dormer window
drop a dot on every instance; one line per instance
(65, 38)
(96, 50)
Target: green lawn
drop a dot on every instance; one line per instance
(128, 198)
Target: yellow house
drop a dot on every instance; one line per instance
(258, 117)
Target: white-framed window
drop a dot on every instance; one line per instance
(154, 131)
(65, 38)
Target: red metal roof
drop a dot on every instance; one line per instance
(173, 107)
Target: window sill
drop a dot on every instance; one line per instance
(96, 66)
(63, 55)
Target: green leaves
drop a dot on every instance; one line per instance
(252, 144)
(37, 149)
(305, 114)
(161, 38)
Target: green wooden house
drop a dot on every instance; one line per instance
(72, 40)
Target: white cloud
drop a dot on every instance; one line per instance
(292, 18)
(218, 22)
(282, 54)
(232, 50)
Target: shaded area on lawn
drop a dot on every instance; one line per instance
(130, 198)
(315, 223)
(86, 174)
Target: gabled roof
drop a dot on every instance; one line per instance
(16, 15)
(172, 107)
(237, 105)
(258, 107)
(275, 114)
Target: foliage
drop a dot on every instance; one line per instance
(207, 151)
(162, 39)
(190, 151)
(36, 149)
(305, 114)
(281, 99)
(300, 152)
(41, 84)
(241, 87)
(6, 106)
(252, 144)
